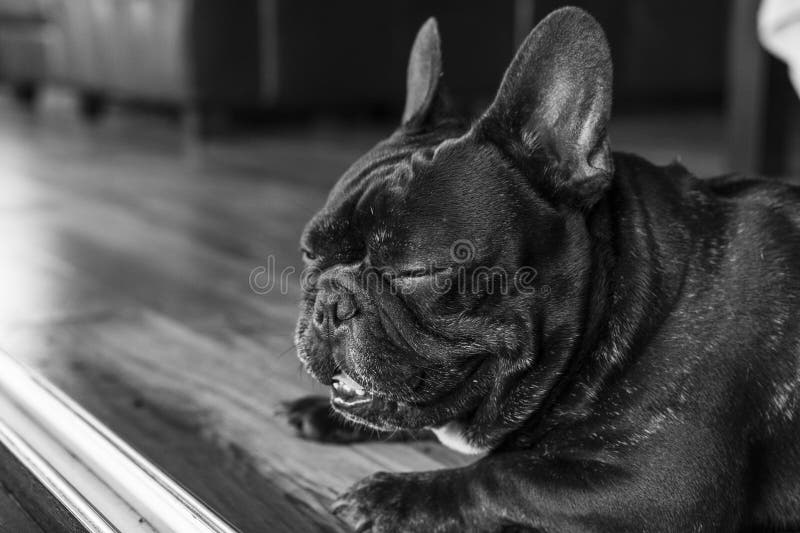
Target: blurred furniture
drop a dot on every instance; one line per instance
(209, 57)
(24, 31)
(200, 55)
(761, 105)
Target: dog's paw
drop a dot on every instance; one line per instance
(373, 504)
(314, 419)
(384, 503)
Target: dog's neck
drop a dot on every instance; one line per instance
(627, 293)
(632, 290)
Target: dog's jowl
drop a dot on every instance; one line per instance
(619, 340)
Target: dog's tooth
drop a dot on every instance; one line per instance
(360, 392)
(349, 382)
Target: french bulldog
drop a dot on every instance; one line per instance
(653, 386)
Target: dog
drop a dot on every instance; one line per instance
(646, 374)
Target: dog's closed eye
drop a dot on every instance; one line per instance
(308, 255)
(414, 273)
(419, 272)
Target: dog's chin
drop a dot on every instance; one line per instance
(386, 412)
(367, 408)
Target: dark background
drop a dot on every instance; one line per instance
(222, 63)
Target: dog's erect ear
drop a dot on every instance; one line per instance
(554, 102)
(426, 99)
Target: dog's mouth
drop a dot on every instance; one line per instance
(371, 408)
(357, 404)
(348, 392)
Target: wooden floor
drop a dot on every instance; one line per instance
(124, 271)
(13, 518)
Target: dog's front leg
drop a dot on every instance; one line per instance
(414, 501)
(524, 492)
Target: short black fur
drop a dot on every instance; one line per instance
(650, 382)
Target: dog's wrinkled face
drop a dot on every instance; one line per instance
(432, 259)
(396, 307)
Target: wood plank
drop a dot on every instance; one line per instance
(760, 99)
(26, 506)
(14, 519)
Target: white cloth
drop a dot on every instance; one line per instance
(779, 31)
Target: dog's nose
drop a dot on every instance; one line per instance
(333, 307)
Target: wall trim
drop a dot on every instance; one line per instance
(106, 484)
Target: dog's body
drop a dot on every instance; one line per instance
(654, 387)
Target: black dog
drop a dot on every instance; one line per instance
(629, 352)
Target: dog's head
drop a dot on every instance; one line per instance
(451, 255)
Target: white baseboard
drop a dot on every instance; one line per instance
(100, 479)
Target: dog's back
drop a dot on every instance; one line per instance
(775, 206)
(739, 312)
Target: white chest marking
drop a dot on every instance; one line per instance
(452, 436)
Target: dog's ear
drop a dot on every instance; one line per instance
(554, 103)
(427, 100)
